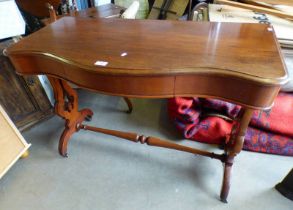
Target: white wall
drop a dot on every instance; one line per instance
(101, 2)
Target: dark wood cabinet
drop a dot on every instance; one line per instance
(23, 98)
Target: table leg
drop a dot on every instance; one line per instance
(234, 147)
(66, 106)
(129, 104)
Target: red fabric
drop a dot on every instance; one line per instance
(269, 131)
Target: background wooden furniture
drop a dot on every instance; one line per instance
(12, 144)
(235, 62)
(22, 97)
(37, 8)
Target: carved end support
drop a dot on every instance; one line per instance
(66, 106)
(72, 126)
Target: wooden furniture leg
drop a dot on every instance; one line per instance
(234, 147)
(129, 104)
(66, 106)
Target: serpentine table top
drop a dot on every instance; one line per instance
(87, 48)
(236, 62)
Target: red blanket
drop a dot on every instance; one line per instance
(269, 131)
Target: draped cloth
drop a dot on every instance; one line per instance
(269, 131)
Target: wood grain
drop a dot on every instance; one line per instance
(26, 90)
(162, 58)
(159, 47)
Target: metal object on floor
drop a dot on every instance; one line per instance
(286, 186)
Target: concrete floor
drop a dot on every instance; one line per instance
(107, 173)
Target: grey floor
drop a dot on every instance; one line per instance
(104, 172)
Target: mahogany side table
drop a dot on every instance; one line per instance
(240, 63)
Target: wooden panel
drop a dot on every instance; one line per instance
(23, 98)
(12, 144)
(12, 92)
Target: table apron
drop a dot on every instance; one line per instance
(230, 88)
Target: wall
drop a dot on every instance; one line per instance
(101, 2)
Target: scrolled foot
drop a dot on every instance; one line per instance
(67, 133)
(63, 153)
(72, 126)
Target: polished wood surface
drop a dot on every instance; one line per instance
(167, 52)
(176, 47)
